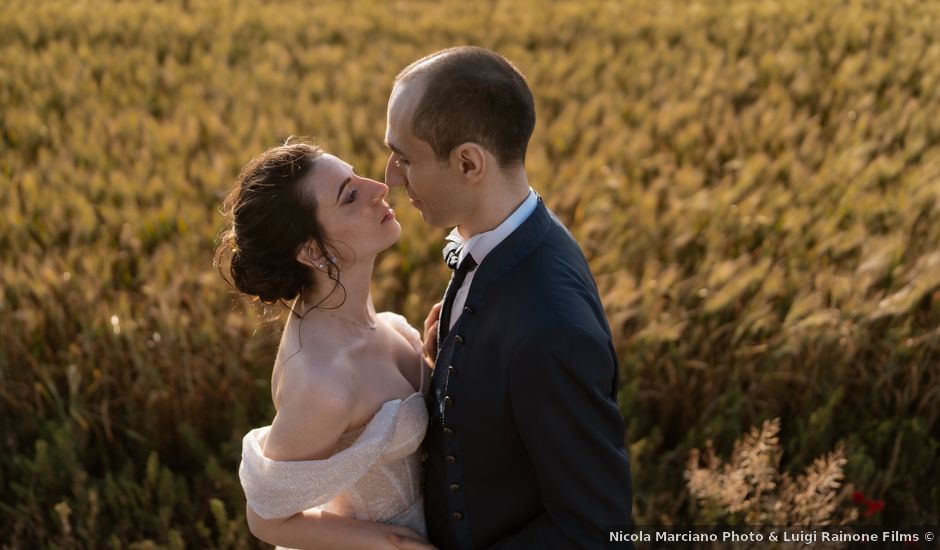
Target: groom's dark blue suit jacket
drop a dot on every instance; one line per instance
(525, 443)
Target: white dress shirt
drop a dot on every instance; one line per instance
(479, 246)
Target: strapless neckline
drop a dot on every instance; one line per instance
(358, 431)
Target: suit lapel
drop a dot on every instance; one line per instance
(507, 254)
(514, 248)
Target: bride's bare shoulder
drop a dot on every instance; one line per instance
(314, 403)
(401, 325)
(311, 377)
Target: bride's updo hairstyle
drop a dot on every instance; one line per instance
(273, 215)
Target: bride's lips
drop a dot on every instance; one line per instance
(390, 215)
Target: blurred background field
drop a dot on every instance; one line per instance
(755, 185)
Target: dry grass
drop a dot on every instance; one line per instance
(750, 490)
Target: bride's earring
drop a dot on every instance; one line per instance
(332, 260)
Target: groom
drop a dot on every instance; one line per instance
(525, 442)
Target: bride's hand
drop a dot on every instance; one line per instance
(430, 332)
(409, 543)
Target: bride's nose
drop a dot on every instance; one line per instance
(381, 191)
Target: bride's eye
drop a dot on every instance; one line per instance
(351, 197)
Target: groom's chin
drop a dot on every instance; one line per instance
(432, 221)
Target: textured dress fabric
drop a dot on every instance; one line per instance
(373, 474)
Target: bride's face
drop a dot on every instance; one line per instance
(352, 209)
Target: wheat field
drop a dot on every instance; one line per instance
(754, 183)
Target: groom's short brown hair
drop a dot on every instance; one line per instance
(472, 95)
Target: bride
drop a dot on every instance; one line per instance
(339, 465)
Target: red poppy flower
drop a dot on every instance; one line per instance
(872, 507)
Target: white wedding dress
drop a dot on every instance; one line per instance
(373, 474)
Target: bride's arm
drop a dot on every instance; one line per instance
(313, 529)
(314, 408)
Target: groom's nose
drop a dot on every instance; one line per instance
(394, 176)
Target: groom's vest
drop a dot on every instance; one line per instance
(525, 441)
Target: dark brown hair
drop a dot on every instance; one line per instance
(472, 95)
(272, 218)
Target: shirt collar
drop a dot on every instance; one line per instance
(482, 244)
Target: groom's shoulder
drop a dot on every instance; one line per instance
(554, 277)
(558, 239)
(557, 257)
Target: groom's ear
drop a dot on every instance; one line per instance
(471, 160)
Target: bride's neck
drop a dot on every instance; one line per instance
(351, 299)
